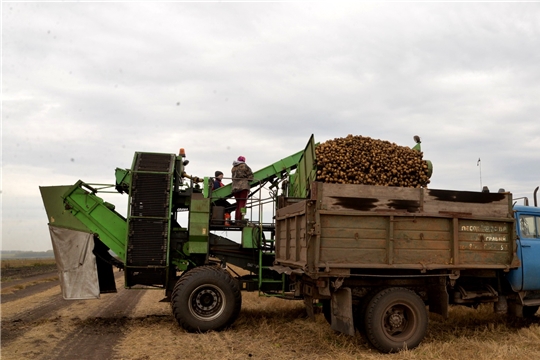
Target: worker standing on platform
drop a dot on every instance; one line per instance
(241, 176)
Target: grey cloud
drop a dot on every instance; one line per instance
(257, 79)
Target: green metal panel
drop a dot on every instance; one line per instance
(276, 170)
(195, 247)
(53, 199)
(250, 237)
(305, 173)
(73, 207)
(199, 217)
(123, 178)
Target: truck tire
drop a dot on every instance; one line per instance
(360, 313)
(206, 298)
(395, 319)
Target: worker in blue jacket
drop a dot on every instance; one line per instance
(216, 184)
(217, 180)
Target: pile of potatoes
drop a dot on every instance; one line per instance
(363, 160)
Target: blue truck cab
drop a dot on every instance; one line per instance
(524, 281)
(527, 276)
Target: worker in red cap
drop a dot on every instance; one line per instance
(241, 176)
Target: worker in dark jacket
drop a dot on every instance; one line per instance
(217, 180)
(241, 176)
(216, 184)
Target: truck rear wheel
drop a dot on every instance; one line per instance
(360, 313)
(206, 298)
(395, 318)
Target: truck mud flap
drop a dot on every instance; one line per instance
(342, 315)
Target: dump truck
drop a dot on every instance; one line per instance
(375, 259)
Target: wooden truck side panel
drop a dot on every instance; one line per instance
(359, 226)
(412, 200)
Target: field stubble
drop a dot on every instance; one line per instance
(270, 328)
(267, 328)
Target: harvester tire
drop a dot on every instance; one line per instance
(395, 319)
(206, 298)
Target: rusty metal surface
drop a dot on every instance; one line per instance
(341, 311)
(401, 229)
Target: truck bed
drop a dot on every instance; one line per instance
(344, 227)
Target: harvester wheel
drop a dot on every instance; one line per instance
(395, 319)
(206, 298)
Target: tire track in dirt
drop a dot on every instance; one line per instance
(16, 325)
(30, 309)
(27, 289)
(5, 285)
(45, 326)
(96, 336)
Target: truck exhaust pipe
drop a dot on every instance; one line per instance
(534, 196)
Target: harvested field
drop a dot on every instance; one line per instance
(133, 324)
(12, 269)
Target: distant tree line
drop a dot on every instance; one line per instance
(17, 254)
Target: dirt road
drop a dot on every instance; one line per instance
(37, 323)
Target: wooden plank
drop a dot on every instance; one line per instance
(353, 222)
(289, 243)
(455, 259)
(281, 239)
(292, 241)
(343, 244)
(314, 247)
(368, 198)
(300, 239)
(354, 234)
(293, 209)
(471, 257)
(423, 224)
(423, 256)
(347, 197)
(416, 235)
(416, 245)
(390, 241)
(475, 203)
(353, 257)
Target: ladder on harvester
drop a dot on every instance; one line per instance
(276, 286)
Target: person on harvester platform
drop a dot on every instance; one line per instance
(241, 176)
(216, 184)
(217, 180)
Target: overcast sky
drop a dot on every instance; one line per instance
(85, 85)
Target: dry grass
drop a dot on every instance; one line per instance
(15, 263)
(270, 328)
